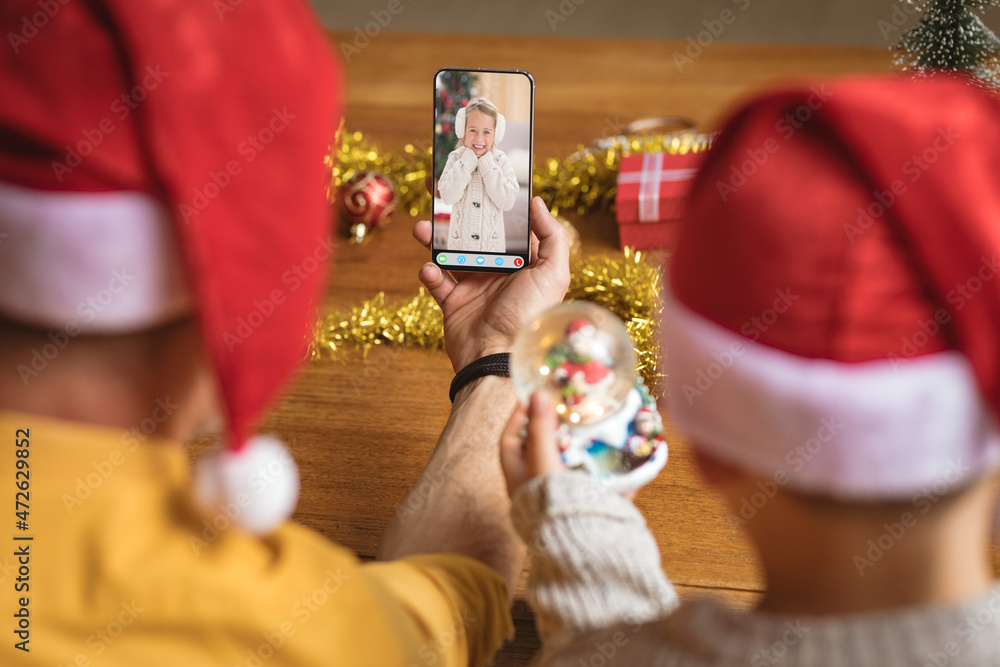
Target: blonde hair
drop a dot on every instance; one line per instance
(483, 105)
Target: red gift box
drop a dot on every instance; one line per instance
(651, 191)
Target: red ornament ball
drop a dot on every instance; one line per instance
(367, 200)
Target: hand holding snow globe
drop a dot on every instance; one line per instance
(582, 356)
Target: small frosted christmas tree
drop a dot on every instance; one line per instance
(950, 36)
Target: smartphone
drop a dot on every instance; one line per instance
(482, 155)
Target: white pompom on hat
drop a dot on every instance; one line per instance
(256, 487)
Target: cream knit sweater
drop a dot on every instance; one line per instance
(479, 190)
(601, 598)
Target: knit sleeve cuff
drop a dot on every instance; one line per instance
(468, 158)
(488, 160)
(564, 495)
(593, 561)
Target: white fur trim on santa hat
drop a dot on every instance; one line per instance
(92, 262)
(256, 488)
(876, 430)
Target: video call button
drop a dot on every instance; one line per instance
(442, 258)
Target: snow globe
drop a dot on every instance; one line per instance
(582, 356)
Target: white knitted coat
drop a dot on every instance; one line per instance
(479, 190)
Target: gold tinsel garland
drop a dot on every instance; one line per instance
(627, 284)
(587, 180)
(583, 182)
(630, 287)
(413, 322)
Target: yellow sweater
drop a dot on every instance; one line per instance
(116, 567)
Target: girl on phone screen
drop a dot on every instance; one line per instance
(478, 180)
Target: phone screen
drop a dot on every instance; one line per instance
(483, 130)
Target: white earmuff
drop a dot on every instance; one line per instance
(460, 126)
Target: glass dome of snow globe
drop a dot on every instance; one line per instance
(581, 355)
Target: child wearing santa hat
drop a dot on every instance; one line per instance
(478, 180)
(836, 278)
(161, 169)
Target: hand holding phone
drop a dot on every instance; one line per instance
(483, 312)
(483, 126)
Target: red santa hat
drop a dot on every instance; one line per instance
(164, 158)
(835, 305)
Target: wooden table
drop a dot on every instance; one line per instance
(362, 430)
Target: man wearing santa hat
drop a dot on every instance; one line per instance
(848, 304)
(161, 170)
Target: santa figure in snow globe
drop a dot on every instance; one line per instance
(581, 365)
(582, 355)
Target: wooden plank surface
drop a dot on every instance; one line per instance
(362, 430)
